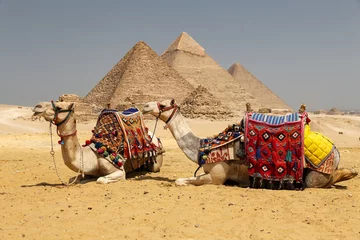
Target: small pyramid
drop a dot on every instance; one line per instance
(139, 77)
(188, 58)
(186, 43)
(202, 104)
(254, 86)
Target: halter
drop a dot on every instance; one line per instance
(57, 111)
(164, 109)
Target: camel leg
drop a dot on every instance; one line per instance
(197, 181)
(318, 180)
(113, 177)
(343, 174)
(156, 164)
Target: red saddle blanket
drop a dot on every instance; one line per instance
(123, 139)
(274, 146)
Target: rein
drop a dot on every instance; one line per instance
(52, 152)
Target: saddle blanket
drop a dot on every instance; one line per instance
(122, 138)
(274, 146)
(221, 147)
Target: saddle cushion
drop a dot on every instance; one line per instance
(123, 139)
(317, 147)
(220, 147)
(274, 146)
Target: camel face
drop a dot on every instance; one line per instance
(45, 110)
(159, 109)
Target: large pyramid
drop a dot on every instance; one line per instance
(192, 62)
(140, 76)
(254, 86)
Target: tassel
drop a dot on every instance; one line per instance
(281, 185)
(258, 155)
(254, 182)
(271, 185)
(261, 182)
(288, 156)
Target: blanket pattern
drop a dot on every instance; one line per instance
(274, 147)
(220, 147)
(123, 139)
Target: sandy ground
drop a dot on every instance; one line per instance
(34, 205)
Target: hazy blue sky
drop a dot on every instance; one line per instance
(305, 51)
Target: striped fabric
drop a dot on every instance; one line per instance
(275, 120)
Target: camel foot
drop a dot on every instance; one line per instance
(113, 177)
(197, 181)
(181, 182)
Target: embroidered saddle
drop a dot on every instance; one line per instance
(123, 139)
(220, 147)
(274, 147)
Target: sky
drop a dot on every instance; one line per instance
(305, 51)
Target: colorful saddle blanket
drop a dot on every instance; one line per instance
(123, 139)
(274, 146)
(318, 148)
(220, 147)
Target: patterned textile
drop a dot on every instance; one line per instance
(274, 146)
(123, 139)
(317, 147)
(327, 166)
(221, 147)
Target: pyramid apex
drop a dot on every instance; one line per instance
(187, 44)
(236, 67)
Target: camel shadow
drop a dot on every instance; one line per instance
(340, 187)
(45, 184)
(161, 179)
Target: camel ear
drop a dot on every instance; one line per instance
(72, 106)
(172, 102)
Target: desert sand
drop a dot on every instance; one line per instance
(34, 204)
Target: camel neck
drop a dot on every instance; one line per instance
(70, 148)
(185, 138)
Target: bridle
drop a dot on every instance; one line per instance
(57, 111)
(165, 109)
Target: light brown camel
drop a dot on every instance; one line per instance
(82, 159)
(219, 172)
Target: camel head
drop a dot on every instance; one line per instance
(57, 112)
(164, 110)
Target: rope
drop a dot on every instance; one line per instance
(52, 153)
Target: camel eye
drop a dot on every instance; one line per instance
(162, 106)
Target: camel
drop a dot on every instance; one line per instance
(234, 170)
(82, 159)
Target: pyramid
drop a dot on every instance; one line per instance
(187, 57)
(202, 104)
(254, 86)
(139, 77)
